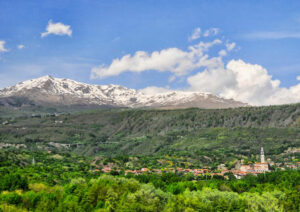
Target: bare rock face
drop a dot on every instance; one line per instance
(54, 91)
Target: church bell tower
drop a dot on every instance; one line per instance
(262, 155)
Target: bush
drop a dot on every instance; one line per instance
(11, 182)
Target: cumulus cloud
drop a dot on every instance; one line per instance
(172, 60)
(21, 46)
(57, 29)
(2, 46)
(195, 35)
(244, 82)
(249, 83)
(211, 32)
(212, 80)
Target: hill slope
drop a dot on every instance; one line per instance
(204, 135)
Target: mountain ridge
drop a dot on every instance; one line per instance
(57, 91)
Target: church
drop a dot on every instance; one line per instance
(263, 166)
(255, 168)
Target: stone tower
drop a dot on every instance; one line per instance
(262, 155)
(33, 161)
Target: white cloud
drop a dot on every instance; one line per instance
(272, 35)
(230, 46)
(211, 32)
(172, 60)
(249, 83)
(2, 46)
(21, 46)
(222, 53)
(244, 82)
(212, 80)
(57, 29)
(196, 34)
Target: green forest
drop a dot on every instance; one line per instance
(67, 183)
(52, 159)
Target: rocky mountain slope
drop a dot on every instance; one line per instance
(55, 91)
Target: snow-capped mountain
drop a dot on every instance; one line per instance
(55, 91)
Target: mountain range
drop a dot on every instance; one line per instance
(49, 91)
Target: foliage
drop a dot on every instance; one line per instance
(201, 137)
(110, 193)
(53, 163)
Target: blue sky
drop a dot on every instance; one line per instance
(266, 33)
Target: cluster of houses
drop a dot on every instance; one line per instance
(239, 171)
(196, 172)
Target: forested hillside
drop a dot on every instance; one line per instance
(53, 160)
(205, 136)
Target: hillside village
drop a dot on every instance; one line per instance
(158, 141)
(239, 171)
